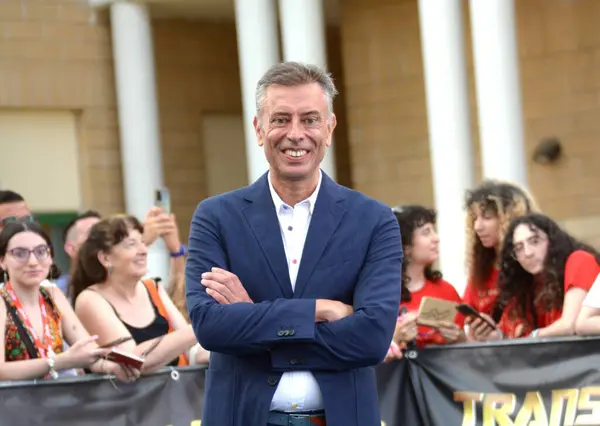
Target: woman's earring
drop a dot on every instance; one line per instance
(5, 277)
(109, 270)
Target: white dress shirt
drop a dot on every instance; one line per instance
(592, 299)
(297, 390)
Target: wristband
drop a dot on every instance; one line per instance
(535, 332)
(50, 361)
(182, 252)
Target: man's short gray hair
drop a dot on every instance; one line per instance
(295, 74)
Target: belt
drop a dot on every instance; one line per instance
(316, 418)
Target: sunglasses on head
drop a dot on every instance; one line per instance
(11, 219)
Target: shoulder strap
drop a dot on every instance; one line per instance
(23, 334)
(106, 300)
(152, 287)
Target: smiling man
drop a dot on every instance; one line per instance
(293, 283)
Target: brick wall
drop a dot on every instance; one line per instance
(56, 54)
(559, 48)
(340, 142)
(194, 75)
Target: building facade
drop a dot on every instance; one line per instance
(101, 102)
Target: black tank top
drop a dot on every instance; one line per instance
(157, 328)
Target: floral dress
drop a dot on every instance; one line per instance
(14, 346)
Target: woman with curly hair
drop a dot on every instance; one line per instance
(419, 279)
(490, 209)
(545, 276)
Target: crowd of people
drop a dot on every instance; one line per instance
(526, 275)
(286, 340)
(56, 324)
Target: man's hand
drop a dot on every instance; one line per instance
(224, 287)
(331, 310)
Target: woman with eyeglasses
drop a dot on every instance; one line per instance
(34, 320)
(420, 243)
(545, 276)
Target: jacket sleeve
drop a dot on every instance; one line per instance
(363, 338)
(240, 328)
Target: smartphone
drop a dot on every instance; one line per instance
(162, 199)
(469, 311)
(117, 342)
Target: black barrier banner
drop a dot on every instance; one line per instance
(164, 399)
(525, 383)
(521, 383)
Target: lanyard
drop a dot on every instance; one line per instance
(43, 350)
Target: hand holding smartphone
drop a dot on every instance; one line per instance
(469, 311)
(162, 199)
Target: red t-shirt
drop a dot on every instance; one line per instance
(483, 299)
(581, 270)
(442, 290)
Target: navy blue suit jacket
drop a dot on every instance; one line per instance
(353, 254)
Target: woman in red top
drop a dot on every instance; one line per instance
(419, 279)
(546, 274)
(490, 209)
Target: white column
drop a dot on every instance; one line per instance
(138, 117)
(450, 148)
(304, 40)
(498, 89)
(258, 50)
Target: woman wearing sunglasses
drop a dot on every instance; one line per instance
(34, 320)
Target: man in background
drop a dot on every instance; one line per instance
(12, 206)
(74, 236)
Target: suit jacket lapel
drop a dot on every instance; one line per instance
(262, 218)
(327, 214)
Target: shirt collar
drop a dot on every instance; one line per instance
(311, 200)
